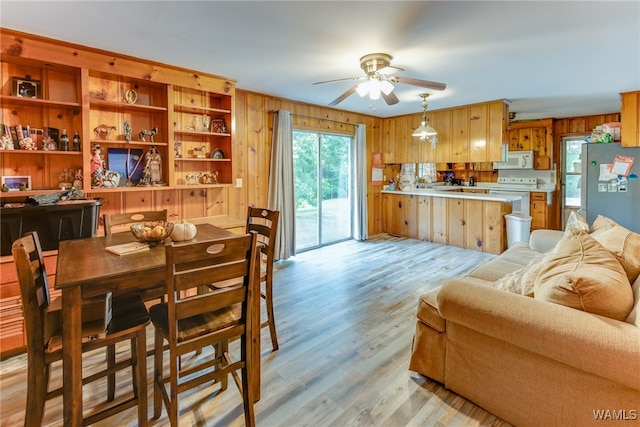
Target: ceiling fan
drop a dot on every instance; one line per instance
(379, 80)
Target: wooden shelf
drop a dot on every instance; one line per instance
(195, 159)
(198, 109)
(128, 143)
(41, 152)
(111, 105)
(195, 133)
(14, 100)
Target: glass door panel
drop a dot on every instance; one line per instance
(322, 182)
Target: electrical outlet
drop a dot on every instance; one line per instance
(239, 182)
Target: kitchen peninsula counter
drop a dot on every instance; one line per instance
(449, 216)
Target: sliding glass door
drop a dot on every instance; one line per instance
(323, 188)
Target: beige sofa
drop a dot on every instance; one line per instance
(532, 360)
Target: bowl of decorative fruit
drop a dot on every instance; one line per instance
(152, 232)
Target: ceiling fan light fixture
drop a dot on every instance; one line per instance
(363, 88)
(386, 87)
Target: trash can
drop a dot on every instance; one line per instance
(518, 228)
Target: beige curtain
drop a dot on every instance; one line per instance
(281, 195)
(360, 230)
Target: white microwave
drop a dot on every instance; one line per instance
(516, 160)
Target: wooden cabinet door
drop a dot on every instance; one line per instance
(456, 225)
(538, 210)
(440, 220)
(497, 130)
(387, 133)
(400, 143)
(442, 124)
(460, 135)
(424, 218)
(630, 119)
(474, 224)
(410, 215)
(478, 133)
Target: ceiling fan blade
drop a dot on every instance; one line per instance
(341, 80)
(417, 82)
(390, 99)
(390, 69)
(342, 97)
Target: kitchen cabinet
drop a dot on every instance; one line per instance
(473, 133)
(539, 210)
(537, 136)
(401, 215)
(466, 223)
(460, 135)
(630, 119)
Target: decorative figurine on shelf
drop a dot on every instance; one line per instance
(152, 132)
(193, 177)
(176, 148)
(206, 121)
(97, 167)
(103, 131)
(154, 165)
(127, 131)
(5, 188)
(198, 152)
(65, 178)
(77, 182)
(24, 140)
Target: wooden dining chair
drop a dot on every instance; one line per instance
(265, 223)
(112, 221)
(43, 321)
(194, 319)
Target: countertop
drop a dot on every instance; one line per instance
(456, 195)
(450, 191)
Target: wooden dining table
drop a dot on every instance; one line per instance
(85, 269)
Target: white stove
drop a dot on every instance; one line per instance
(517, 186)
(512, 183)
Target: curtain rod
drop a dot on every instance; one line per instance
(318, 118)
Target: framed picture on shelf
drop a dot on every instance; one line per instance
(218, 126)
(17, 183)
(128, 162)
(25, 88)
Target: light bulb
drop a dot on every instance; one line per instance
(363, 88)
(386, 87)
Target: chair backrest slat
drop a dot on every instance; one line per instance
(34, 288)
(192, 267)
(265, 223)
(114, 220)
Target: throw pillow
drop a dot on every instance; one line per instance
(583, 275)
(577, 221)
(622, 243)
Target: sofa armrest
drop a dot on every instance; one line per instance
(544, 240)
(606, 347)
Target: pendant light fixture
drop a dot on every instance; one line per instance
(424, 131)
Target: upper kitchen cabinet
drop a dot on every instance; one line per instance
(472, 133)
(534, 135)
(630, 119)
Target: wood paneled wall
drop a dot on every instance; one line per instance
(252, 150)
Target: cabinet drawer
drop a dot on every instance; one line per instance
(539, 196)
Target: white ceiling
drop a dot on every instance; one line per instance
(550, 59)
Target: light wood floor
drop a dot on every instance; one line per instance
(345, 316)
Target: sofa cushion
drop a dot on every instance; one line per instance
(584, 275)
(622, 243)
(634, 316)
(577, 221)
(509, 261)
(428, 311)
